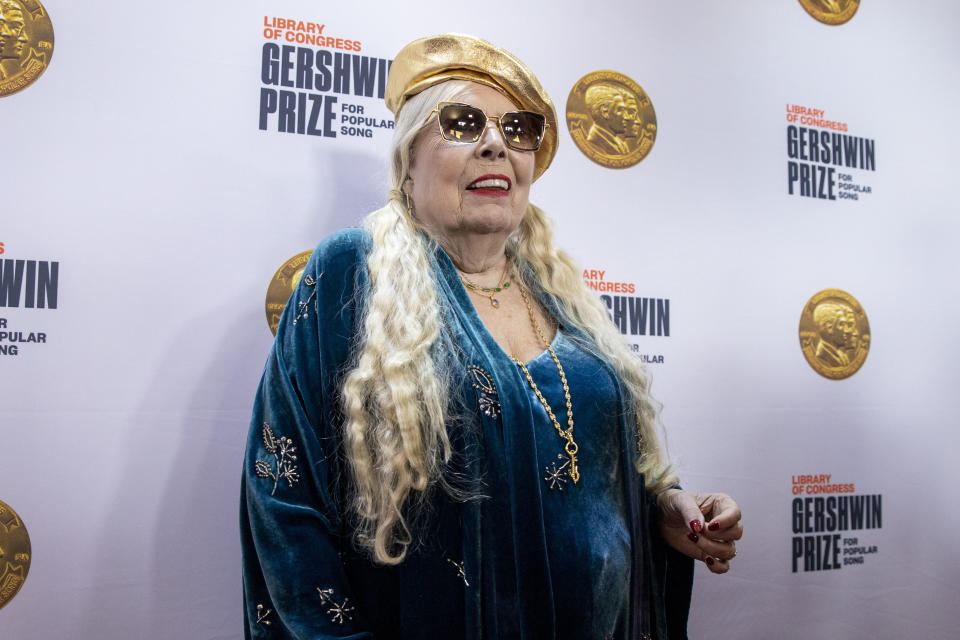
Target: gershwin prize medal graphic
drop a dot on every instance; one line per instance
(282, 284)
(834, 334)
(832, 12)
(26, 44)
(14, 553)
(611, 119)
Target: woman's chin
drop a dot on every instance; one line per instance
(489, 222)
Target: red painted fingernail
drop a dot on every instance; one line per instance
(693, 537)
(695, 526)
(713, 526)
(709, 561)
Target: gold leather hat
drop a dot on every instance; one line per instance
(453, 56)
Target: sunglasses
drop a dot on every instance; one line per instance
(522, 130)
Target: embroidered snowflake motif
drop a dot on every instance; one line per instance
(339, 612)
(285, 466)
(557, 476)
(303, 308)
(460, 571)
(263, 614)
(483, 383)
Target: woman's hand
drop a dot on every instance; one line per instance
(703, 526)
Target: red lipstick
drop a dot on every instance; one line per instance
(496, 185)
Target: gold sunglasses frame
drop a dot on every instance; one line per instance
(506, 139)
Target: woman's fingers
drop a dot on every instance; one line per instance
(718, 549)
(702, 526)
(682, 506)
(718, 534)
(724, 523)
(716, 565)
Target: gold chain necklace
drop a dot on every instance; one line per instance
(570, 447)
(488, 292)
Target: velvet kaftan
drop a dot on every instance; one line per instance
(518, 560)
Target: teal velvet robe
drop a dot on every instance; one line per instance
(477, 568)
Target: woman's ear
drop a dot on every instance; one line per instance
(407, 189)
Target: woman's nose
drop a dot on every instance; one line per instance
(491, 144)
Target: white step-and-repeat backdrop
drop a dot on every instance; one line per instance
(769, 213)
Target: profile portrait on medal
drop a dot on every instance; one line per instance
(612, 119)
(837, 333)
(451, 438)
(13, 37)
(834, 334)
(637, 131)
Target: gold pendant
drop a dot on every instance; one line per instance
(571, 448)
(574, 471)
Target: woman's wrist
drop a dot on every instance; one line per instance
(660, 494)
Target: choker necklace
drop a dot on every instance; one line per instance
(570, 447)
(488, 292)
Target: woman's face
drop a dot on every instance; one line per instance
(461, 189)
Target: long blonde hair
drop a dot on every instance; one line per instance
(395, 397)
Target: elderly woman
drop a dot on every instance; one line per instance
(451, 439)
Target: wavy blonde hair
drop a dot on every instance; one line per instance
(395, 397)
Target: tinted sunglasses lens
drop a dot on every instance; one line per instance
(461, 123)
(522, 130)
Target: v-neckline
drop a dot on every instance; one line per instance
(553, 343)
(473, 318)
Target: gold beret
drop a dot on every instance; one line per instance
(453, 56)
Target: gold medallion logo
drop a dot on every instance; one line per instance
(831, 12)
(611, 119)
(284, 281)
(834, 334)
(14, 553)
(26, 44)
